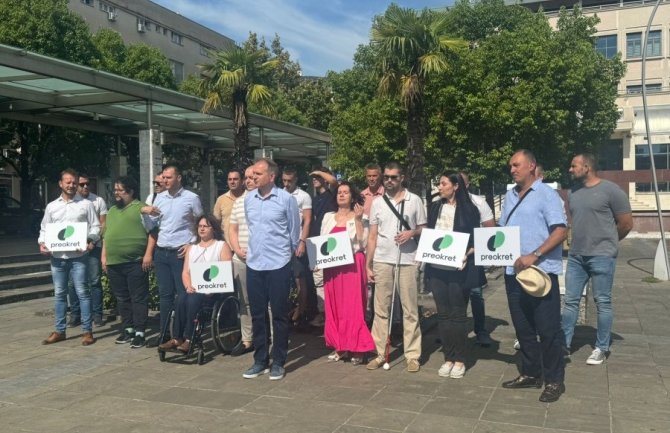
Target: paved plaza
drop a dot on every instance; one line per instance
(110, 388)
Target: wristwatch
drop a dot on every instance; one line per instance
(537, 253)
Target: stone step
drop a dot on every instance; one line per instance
(22, 258)
(9, 296)
(24, 268)
(25, 280)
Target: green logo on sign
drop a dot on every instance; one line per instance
(65, 233)
(328, 246)
(210, 273)
(496, 241)
(443, 242)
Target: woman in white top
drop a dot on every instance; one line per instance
(208, 248)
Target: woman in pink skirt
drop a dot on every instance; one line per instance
(346, 286)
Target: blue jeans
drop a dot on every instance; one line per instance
(95, 285)
(533, 317)
(62, 270)
(168, 273)
(269, 287)
(600, 269)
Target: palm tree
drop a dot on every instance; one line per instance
(412, 46)
(236, 78)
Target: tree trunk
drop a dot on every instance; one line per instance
(415, 152)
(242, 156)
(27, 178)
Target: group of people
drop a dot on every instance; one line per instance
(264, 230)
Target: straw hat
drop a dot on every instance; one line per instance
(534, 281)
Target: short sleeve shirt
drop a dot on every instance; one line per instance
(593, 211)
(485, 212)
(387, 228)
(539, 210)
(237, 217)
(303, 199)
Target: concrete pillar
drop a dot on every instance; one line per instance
(151, 160)
(208, 188)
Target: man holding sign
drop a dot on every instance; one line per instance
(536, 209)
(68, 255)
(395, 220)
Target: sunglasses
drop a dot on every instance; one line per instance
(392, 177)
(83, 184)
(158, 183)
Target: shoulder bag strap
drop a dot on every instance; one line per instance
(396, 213)
(516, 206)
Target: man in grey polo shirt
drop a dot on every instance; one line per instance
(601, 217)
(388, 238)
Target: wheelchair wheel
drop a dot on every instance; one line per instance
(201, 357)
(165, 333)
(226, 330)
(161, 355)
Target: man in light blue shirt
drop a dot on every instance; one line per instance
(538, 212)
(174, 212)
(274, 232)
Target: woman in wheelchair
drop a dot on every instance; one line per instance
(208, 248)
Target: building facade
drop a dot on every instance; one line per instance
(184, 42)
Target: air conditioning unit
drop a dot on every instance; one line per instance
(111, 15)
(141, 27)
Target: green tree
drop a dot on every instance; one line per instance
(412, 47)
(237, 78)
(148, 64)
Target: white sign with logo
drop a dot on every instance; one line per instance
(442, 247)
(497, 246)
(66, 236)
(329, 251)
(212, 277)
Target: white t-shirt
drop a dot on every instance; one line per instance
(387, 228)
(304, 201)
(100, 209)
(485, 212)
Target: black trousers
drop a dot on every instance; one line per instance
(451, 300)
(533, 317)
(130, 285)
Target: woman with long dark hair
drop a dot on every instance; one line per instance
(209, 247)
(451, 286)
(345, 287)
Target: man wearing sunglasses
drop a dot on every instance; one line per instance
(159, 187)
(391, 243)
(93, 260)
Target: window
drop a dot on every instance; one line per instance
(637, 88)
(204, 51)
(177, 70)
(88, 2)
(606, 45)
(661, 156)
(634, 45)
(106, 8)
(648, 187)
(158, 28)
(610, 155)
(176, 38)
(143, 25)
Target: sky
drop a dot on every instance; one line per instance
(320, 34)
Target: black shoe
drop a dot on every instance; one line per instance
(483, 339)
(523, 382)
(241, 350)
(98, 321)
(138, 341)
(74, 322)
(552, 392)
(124, 338)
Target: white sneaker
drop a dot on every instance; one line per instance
(457, 372)
(597, 357)
(517, 345)
(445, 370)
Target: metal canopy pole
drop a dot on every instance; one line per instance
(152, 175)
(651, 150)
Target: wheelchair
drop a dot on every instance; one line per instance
(219, 317)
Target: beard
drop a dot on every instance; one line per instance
(119, 203)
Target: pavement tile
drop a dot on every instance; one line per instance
(579, 421)
(521, 397)
(202, 398)
(516, 414)
(638, 409)
(347, 395)
(639, 425)
(431, 423)
(388, 419)
(398, 401)
(421, 386)
(455, 389)
(327, 413)
(497, 427)
(649, 394)
(455, 407)
(346, 428)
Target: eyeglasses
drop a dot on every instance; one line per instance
(119, 190)
(83, 184)
(202, 226)
(158, 183)
(391, 177)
